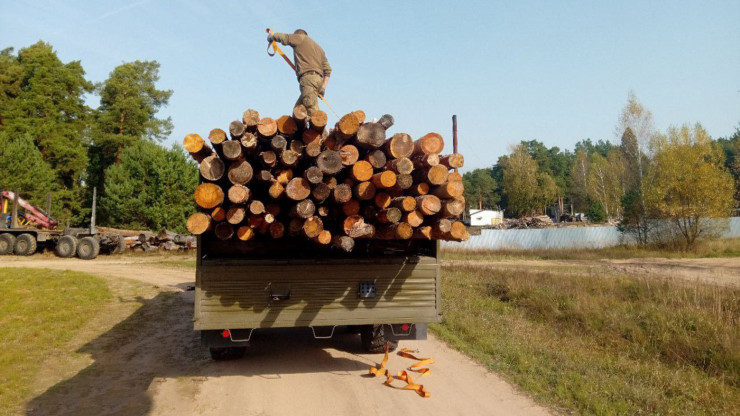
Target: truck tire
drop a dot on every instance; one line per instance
(227, 353)
(88, 248)
(66, 246)
(25, 245)
(373, 339)
(7, 243)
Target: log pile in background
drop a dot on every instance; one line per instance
(292, 177)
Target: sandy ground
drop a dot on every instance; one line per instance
(149, 362)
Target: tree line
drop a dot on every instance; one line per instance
(681, 175)
(51, 140)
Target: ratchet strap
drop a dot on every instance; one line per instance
(404, 375)
(276, 49)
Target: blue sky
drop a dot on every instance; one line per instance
(554, 71)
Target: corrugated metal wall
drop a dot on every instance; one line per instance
(562, 238)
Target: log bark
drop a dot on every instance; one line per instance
(424, 232)
(376, 158)
(386, 121)
(212, 168)
(208, 195)
(398, 146)
(245, 233)
(196, 146)
(198, 223)
(370, 136)
(237, 129)
(400, 231)
(240, 172)
(329, 161)
(421, 188)
(218, 214)
(382, 200)
(449, 190)
(298, 189)
(425, 161)
(429, 144)
(404, 203)
(453, 161)
(267, 127)
(385, 179)
(239, 194)
(300, 114)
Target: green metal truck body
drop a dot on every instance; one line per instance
(242, 287)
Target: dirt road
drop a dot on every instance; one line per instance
(150, 363)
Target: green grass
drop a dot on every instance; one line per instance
(40, 312)
(704, 249)
(600, 344)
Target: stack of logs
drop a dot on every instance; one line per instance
(294, 177)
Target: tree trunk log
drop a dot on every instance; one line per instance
(218, 214)
(398, 146)
(297, 189)
(343, 242)
(385, 179)
(236, 214)
(251, 119)
(349, 154)
(413, 218)
(321, 192)
(239, 194)
(364, 191)
(208, 195)
(256, 207)
(212, 168)
(245, 233)
(197, 147)
(400, 166)
(240, 172)
(312, 227)
(428, 204)
(449, 190)
(267, 127)
(386, 121)
(347, 126)
(382, 200)
(300, 114)
(277, 230)
(389, 216)
(329, 161)
(198, 223)
(404, 203)
(224, 231)
(217, 136)
(276, 190)
(429, 144)
(232, 149)
(376, 158)
(355, 227)
(287, 126)
(370, 136)
(453, 161)
(318, 120)
(351, 207)
(314, 175)
(237, 129)
(304, 209)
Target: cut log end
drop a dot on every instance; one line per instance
(198, 223)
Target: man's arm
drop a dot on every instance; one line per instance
(285, 38)
(327, 73)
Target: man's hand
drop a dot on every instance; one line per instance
(322, 92)
(270, 38)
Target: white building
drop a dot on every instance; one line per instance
(484, 217)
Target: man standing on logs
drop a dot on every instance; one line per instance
(311, 66)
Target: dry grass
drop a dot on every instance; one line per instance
(606, 344)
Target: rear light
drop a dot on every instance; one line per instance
(226, 333)
(405, 327)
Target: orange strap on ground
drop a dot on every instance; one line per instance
(403, 375)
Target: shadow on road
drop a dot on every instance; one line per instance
(158, 342)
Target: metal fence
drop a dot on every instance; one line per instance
(560, 238)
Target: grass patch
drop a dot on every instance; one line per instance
(600, 344)
(704, 249)
(40, 312)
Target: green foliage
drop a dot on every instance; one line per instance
(480, 189)
(691, 183)
(43, 98)
(527, 190)
(151, 188)
(24, 170)
(596, 213)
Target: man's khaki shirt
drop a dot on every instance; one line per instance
(307, 54)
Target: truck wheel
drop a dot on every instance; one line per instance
(227, 353)
(25, 245)
(88, 248)
(7, 242)
(373, 339)
(66, 246)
